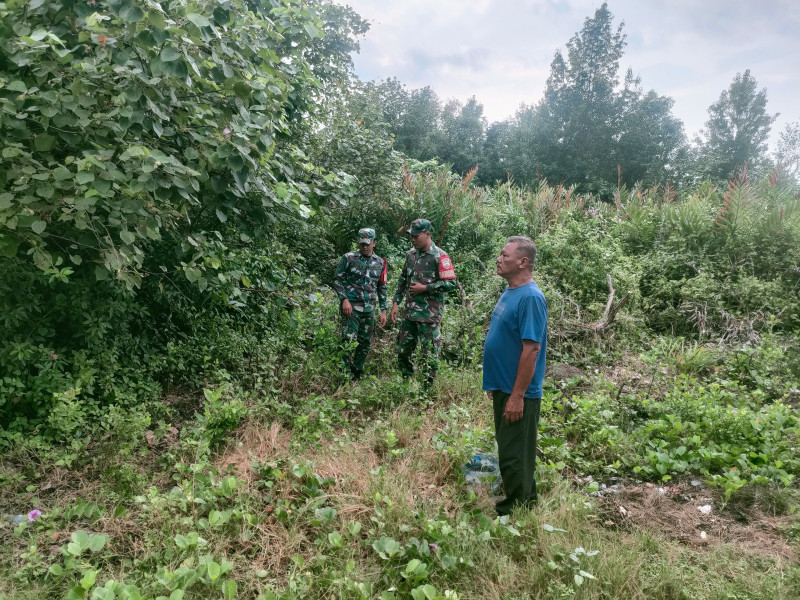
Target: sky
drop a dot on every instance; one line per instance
(500, 50)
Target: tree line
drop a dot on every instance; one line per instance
(595, 127)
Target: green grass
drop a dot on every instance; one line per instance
(366, 500)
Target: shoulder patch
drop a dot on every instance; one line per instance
(446, 270)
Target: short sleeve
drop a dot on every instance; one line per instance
(532, 318)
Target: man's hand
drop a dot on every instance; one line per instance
(418, 288)
(490, 396)
(514, 408)
(394, 313)
(347, 308)
(382, 319)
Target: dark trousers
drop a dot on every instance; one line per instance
(516, 444)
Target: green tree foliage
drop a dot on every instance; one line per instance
(787, 155)
(590, 131)
(125, 123)
(737, 130)
(463, 132)
(155, 158)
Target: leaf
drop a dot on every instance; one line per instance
(193, 274)
(386, 547)
(229, 589)
(198, 20)
(176, 595)
(127, 237)
(84, 177)
(169, 54)
(88, 579)
(97, 541)
(56, 570)
(214, 570)
(76, 593)
(44, 142)
(17, 86)
(103, 594)
(38, 227)
(550, 529)
(311, 30)
(578, 580)
(221, 216)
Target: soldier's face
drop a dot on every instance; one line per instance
(421, 241)
(366, 249)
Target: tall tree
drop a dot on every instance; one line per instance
(463, 131)
(737, 129)
(588, 128)
(787, 155)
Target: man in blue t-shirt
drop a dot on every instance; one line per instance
(513, 371)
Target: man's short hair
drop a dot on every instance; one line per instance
(525, 246)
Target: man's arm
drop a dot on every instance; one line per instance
(382, 288)
(339, 279)
(525, 371)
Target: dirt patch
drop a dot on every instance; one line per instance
(691, 515)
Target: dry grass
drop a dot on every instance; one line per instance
(674, 515)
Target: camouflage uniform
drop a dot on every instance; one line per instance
(423, 313)
(361, 280)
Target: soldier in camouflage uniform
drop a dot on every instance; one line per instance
(427, 274)
(360, 283)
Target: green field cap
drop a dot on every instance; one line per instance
(419, 226)
(366, 235)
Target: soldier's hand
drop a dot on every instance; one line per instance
(347, 308)
(382, 319)
(394, 313)
(418, 288)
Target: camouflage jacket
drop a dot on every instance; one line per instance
(435, 270)
(362, 281)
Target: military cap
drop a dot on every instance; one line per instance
(366, 235)
(420, 225)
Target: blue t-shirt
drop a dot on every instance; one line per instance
(520, 314)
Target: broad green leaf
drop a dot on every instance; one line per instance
(127, 237)
(88, 579)
(193, 274)
(17, 86)
(198, 20)
(56, 570)
(38, 226)
(169, 54)
(214, 570)
(229, 589)
(76, 593)
(84, 177)
(97, 541)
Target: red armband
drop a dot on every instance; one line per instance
(446, 270)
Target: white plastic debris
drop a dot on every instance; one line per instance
(705, 509)
(703, 535)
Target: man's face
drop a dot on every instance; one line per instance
(509, 261)
(421, 240)
(366, 249)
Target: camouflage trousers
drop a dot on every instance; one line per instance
(430, 340)
(357, 328)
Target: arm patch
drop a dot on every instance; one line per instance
(446, 270)
(382, 278)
